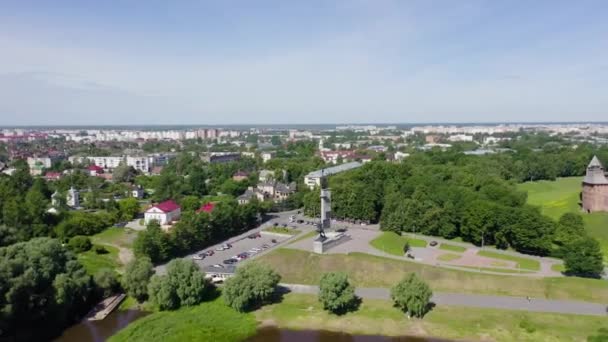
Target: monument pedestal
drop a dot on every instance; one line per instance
(320, 245)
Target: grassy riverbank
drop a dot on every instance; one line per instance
(365, 270)
(298, 311)
(210, 321)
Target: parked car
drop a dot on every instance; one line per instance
(209, 253)
(221, 248)
(433, 243)
(198, 256)
(273, 241)
(218, 266)
(230, 261)
(265, 246)
(284, 224)
(275, 224)
(300, 221)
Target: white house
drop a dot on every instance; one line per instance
(165, 213)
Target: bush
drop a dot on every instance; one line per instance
(336, 293)
(527, 325)
(100, 250)
(412, 295)
(80, 244)
(184, 284)
(252, 285)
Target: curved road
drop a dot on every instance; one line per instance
(480, 301)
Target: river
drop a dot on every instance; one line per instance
(100, 331)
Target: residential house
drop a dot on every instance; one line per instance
(266, 156)
(277, 191)
(94, 170)
(249, 194)
(207, 208)
(52, 176)
(164, 213)
(240, 176)
(266, 175)
(137, 192)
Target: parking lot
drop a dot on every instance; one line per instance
(239, 246)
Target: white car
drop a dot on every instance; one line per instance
(218, 266)
(198, 256)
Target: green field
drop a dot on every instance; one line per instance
(448, 257)
(211, 321)
(392, 243)
(299, 311)
(308, 235)
(282, 230)
(115, 236)
(300, 267)
(558, 268)
(452, 248)
(561, 196)
(523, 263)
(93, 262)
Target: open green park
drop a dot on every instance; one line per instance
(561, 196)
(393, 243)
(364, 270)
(113, 240)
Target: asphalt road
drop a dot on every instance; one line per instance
(481, 301)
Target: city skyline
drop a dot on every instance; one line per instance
(69, 63)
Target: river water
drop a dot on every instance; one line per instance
(99, 331)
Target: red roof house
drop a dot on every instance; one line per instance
(164, 212)
(95, 170)
(52, 176)
(207, 207)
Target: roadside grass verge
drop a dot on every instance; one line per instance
(452, 248)
(379, 317)
(523, 263)
(393, 243)
(282, 230)
(558, 268)
(448, 257)
(209, 321)
(364, 270)
(497, 270)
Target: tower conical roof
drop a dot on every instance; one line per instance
(595, 162)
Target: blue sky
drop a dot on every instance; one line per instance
(238, 62)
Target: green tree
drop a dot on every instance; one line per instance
(190, 203)
(129, 208)
(136, 278)
(569, 227)
(253, 285)
(43, 286)
(183, 285)
(107, 281)
(583, 257)
(336, 293)
(275, 140)
(153, 243)
(123, 173)
(412, 295)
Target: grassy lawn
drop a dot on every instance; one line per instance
(558, 268)
(561, 196)
(211, 321)
(448, 257)
(93, 262)
(452, 248)
(300, 311)
(308, 235)
(523, 263)
(301, 267)
(392, 243)
(282, 230)
(122, 237)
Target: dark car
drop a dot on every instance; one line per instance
(275, 224)
(120, 224)
(433, 243)
(209, 253)
(284, 224)
(230, 261)
(273, 241)
(300, 221)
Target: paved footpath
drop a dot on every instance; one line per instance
(481, 301)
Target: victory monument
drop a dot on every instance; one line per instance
(326, 237)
